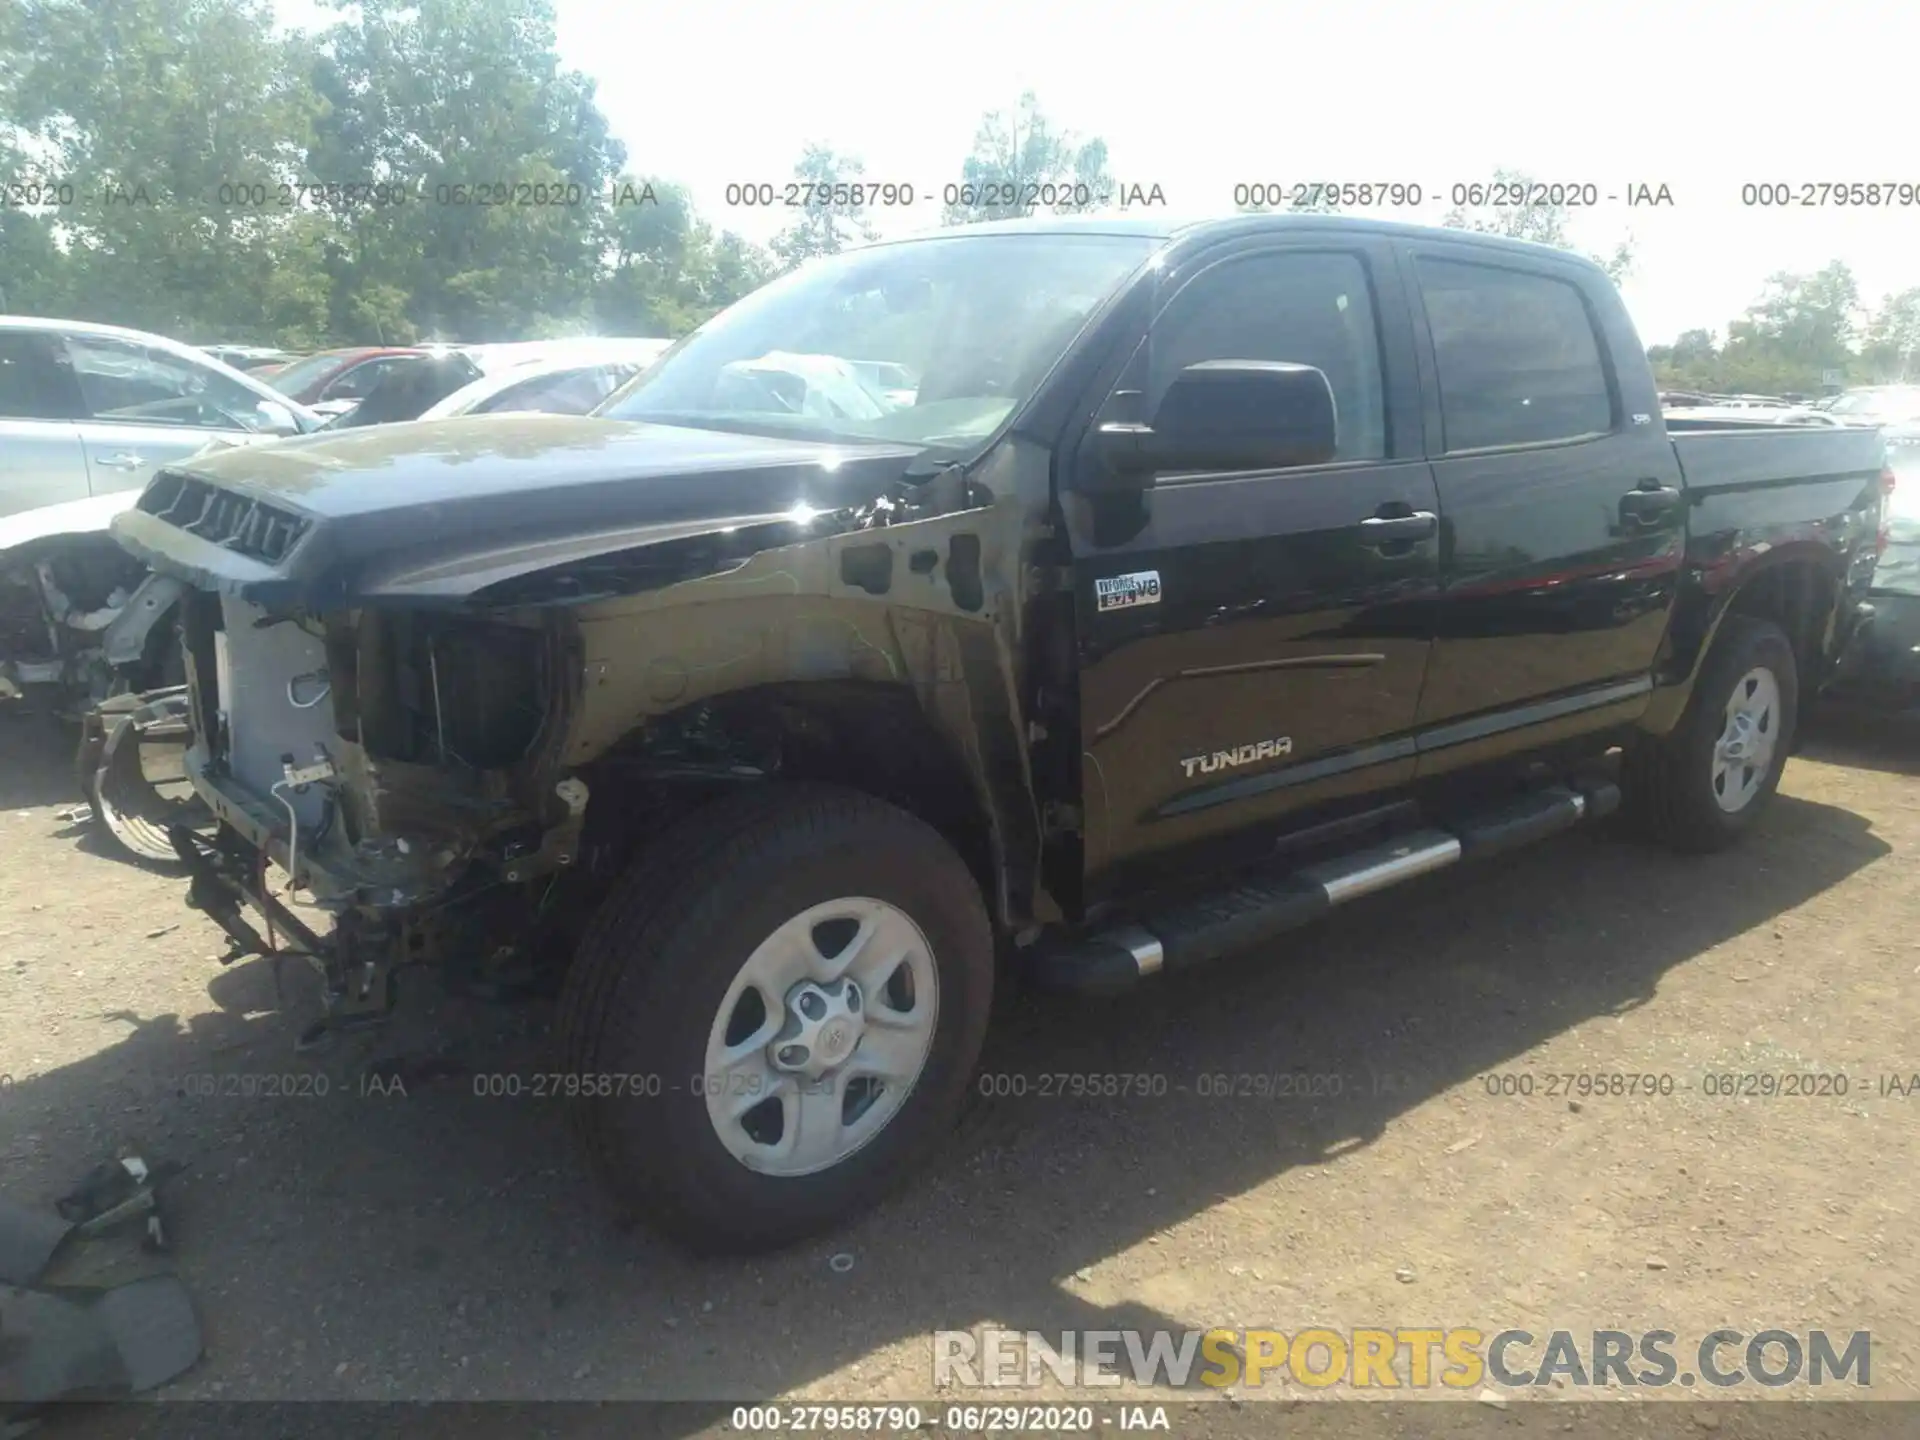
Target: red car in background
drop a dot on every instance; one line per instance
(336, 380)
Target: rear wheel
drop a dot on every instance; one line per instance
(1705, 784)
(788, 993)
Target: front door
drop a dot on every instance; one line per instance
(143, 407)
(1252, 644)
(41, 461)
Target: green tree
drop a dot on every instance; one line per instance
(1692, 362)
(1542, 224)
(1015, 156)
(504, 154)
(149, 107)
(668, 269)
(1891, 352)
(1801, 327)
(828, 224)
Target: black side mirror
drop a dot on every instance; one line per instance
(1227, 415)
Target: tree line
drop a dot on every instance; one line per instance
(1805, 333)
(157, 156)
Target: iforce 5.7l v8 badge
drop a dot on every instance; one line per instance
(1120, 592)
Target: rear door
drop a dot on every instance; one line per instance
(143, 407)
(1251, 642)
(42, 461)
(1560, 498)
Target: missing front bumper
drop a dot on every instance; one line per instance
(227, 874)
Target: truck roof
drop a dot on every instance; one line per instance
(1169, 228)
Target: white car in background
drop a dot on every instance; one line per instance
(569, 378)
(88, 410)
(495, 358)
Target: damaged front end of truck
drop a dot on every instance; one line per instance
(445, 680)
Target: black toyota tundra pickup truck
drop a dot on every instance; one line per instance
(1202, 579)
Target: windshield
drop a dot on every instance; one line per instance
(932, 342)
(1896, 403)
(303, 374)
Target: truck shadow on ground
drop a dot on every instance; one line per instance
(1866, 740)
(437, 1241)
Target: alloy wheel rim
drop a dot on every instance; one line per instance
(1749, 735)
(821, 1037)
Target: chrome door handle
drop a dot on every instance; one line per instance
(122, 461)
(1387, 529)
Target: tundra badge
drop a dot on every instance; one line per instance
(1118, 592)
(1239, 755)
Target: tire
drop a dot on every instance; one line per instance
(669, 947)
(1678, 789)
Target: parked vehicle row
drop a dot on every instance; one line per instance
(1178, 585)
(335, 382)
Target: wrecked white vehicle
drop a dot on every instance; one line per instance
(88, 634)
(79, 617)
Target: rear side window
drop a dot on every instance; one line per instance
(572, 392)
(1305, 307)
(33, 385)
(1519, 361)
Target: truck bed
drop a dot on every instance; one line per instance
(1722, 455)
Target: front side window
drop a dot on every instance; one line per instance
(130, 383)
(1518, 358)
(933, 342)
(1306, 308)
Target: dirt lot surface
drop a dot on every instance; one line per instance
(439, 1245)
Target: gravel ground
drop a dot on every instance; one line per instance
(433, 1244)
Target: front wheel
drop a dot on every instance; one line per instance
(788, 993)
(1703, 785)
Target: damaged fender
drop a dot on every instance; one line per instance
(926, 604)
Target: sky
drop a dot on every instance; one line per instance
(1702, 97)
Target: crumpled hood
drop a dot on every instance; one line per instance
(436, 510)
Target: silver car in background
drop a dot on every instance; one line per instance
(571, 382)
(88, 410)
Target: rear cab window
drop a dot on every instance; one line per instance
(1519, 358)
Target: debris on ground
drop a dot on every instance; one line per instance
(61, 1341)
(95, 1343)
(115, 1194)
(28, 1240)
